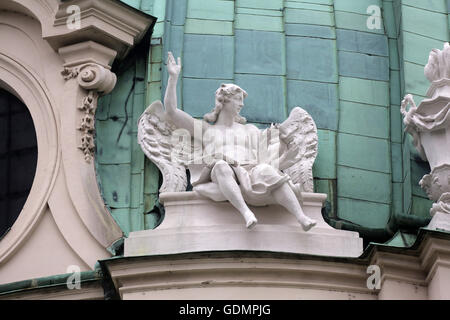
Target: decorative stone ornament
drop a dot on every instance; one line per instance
(97, 80)
(429, 125)
(59, 73)
(238, 173)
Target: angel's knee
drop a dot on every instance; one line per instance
(222, 169)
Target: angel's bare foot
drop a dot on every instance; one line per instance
(250, 219)
(307, 223)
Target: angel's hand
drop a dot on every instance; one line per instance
(173, 67)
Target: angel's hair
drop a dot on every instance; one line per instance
(223, 94)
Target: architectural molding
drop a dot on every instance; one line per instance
(54, 289)
(19, 78)
(88, 63)
(402, 276)
(435, 259)
(196, 224)
(88, 77)
(22, 74)
(435, 252)
(109, 22)
(419, 272)
(59, 73)
(229, 275)
(87, 292)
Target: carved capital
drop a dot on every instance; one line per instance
(97, 80)
(88, 63)
(92, 77)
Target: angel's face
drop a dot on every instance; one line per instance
(235, 103)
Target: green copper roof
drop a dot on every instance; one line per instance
(47, 282)
(402, 240)
(141, 5)
(351, 79)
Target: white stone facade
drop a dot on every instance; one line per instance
(58, 73)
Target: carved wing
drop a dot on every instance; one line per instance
(299, 136)
(155, 136)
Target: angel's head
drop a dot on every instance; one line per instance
(228, 96)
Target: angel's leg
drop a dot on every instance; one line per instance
(223, 176)
(285, 197)
(210, 190)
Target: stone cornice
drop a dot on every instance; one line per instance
(407, 273)
(228, 269)
(435, 253)
(107, 10)
(402, 268)
(107, 22)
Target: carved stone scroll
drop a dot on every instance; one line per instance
(96, 80)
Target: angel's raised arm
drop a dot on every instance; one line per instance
(179, 118)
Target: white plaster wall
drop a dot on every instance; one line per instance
(45, 253)
(439, 287)
(49, 234)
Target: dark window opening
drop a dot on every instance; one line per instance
(18, 158)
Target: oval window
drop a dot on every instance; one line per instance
(18, 158)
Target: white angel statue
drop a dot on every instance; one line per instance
(230, 165)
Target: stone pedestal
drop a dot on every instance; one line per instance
(440, 221)
(196, 224)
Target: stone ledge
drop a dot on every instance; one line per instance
(236, 276)
(196, 224)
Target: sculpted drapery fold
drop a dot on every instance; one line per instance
(429, 125)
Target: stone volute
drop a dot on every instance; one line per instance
(429, 125)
